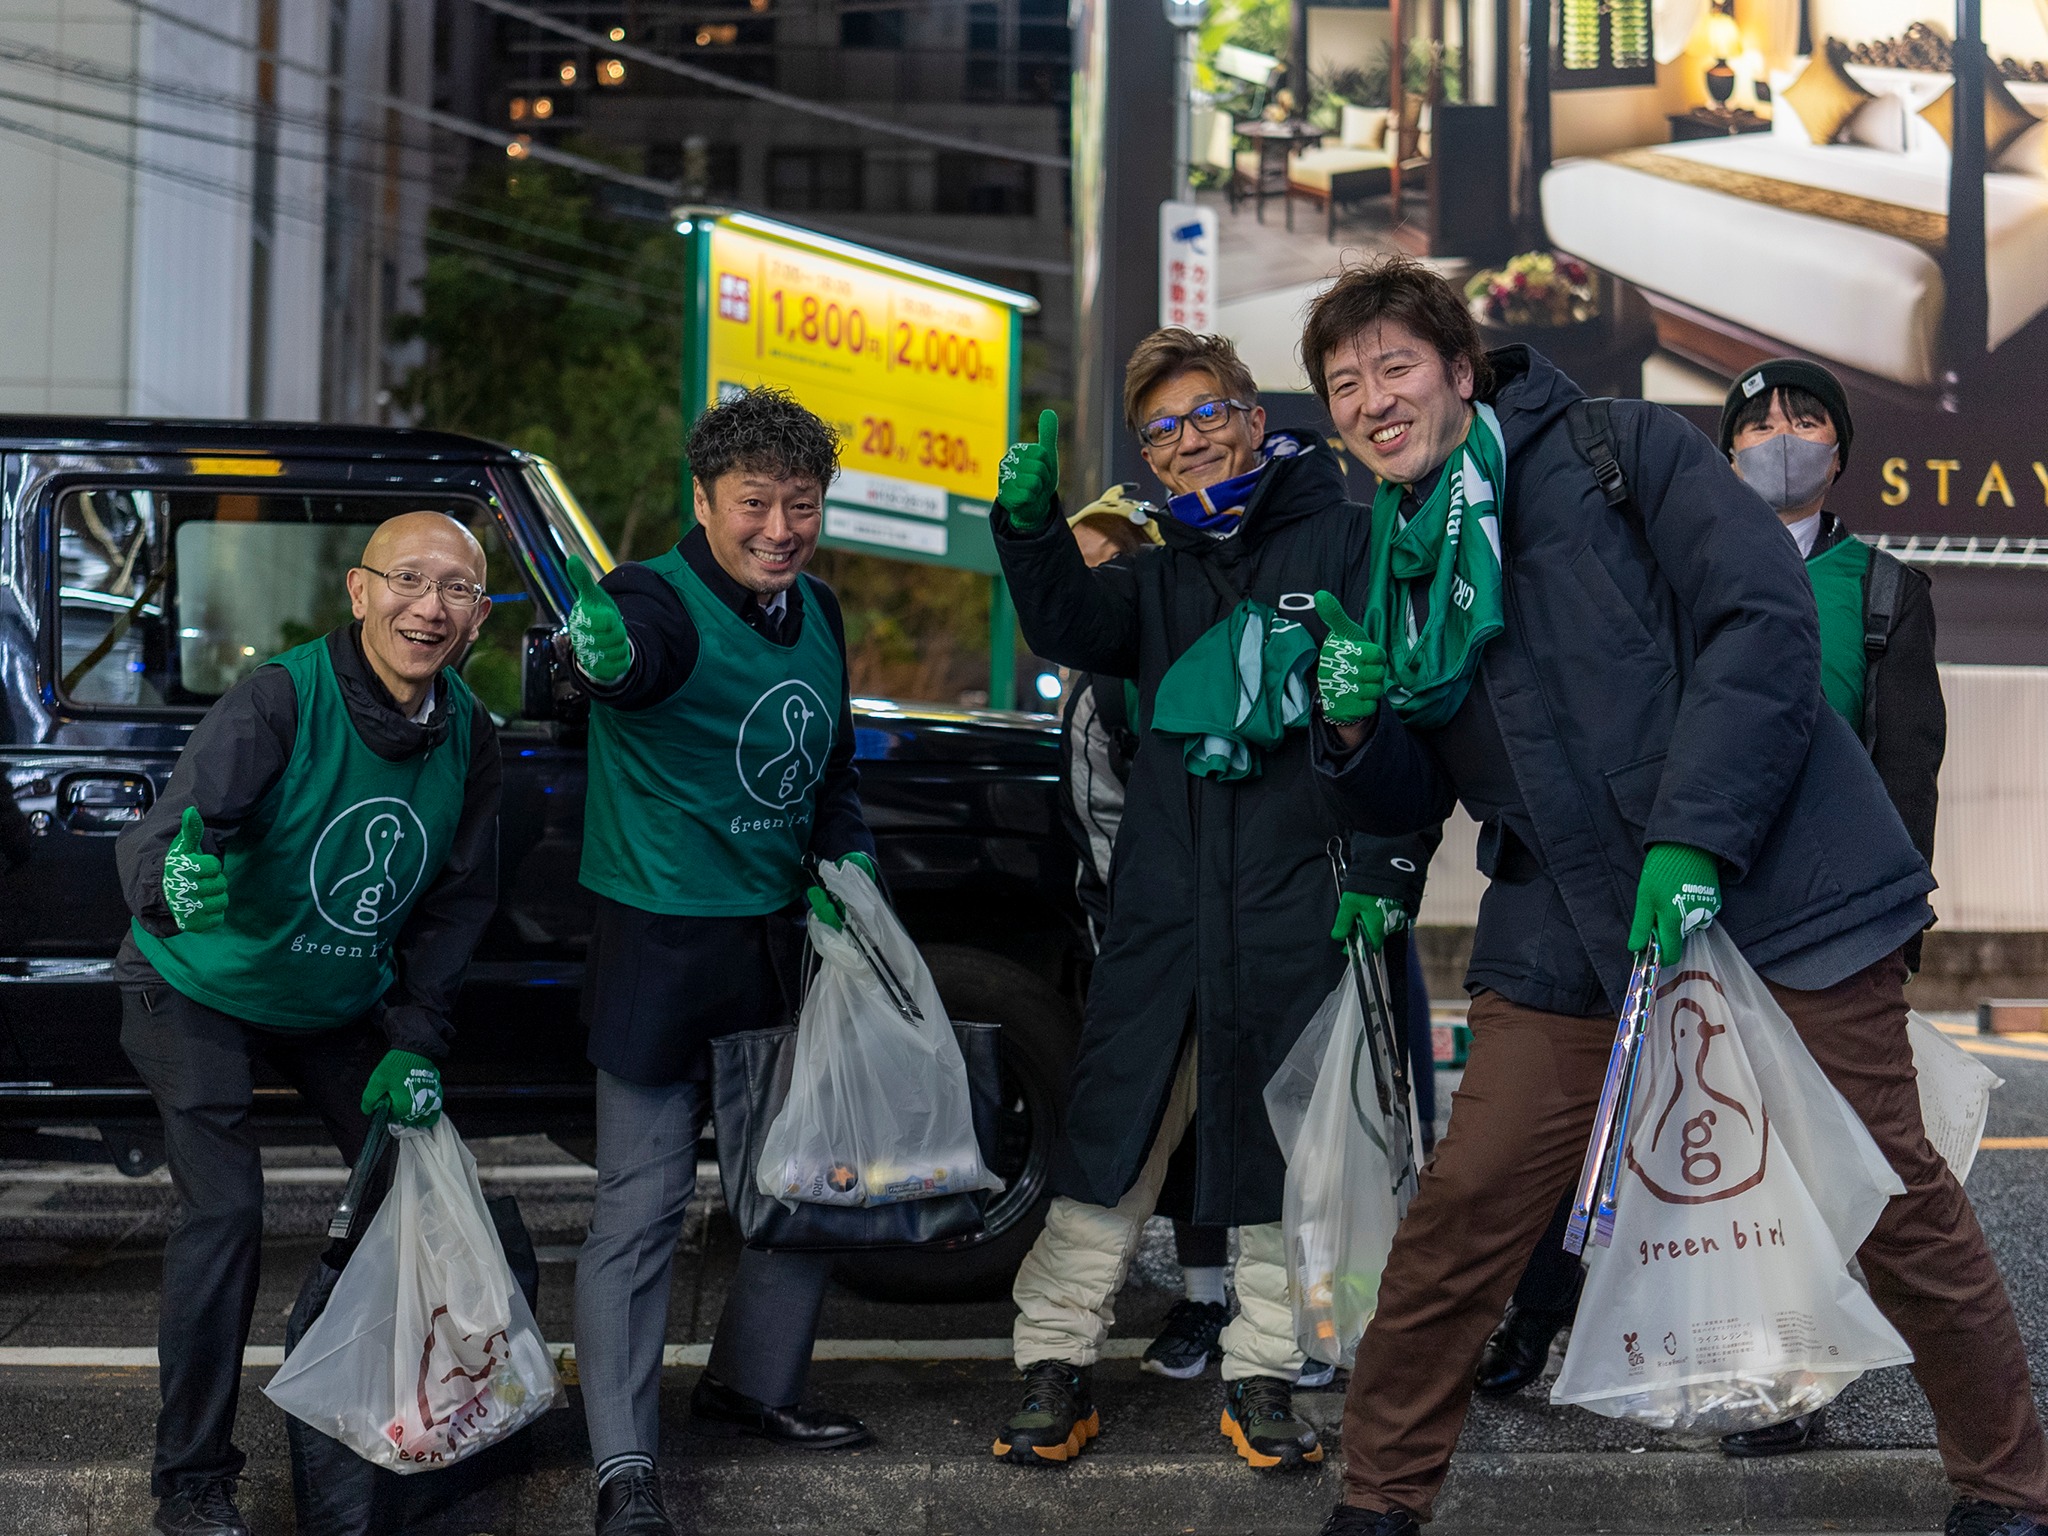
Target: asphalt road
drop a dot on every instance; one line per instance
(80, 1258)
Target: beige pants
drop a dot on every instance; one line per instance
(1066, 1289)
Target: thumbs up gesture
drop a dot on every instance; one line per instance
(1351, 672)
(597, 632)
(195, 888)
(1030, 477)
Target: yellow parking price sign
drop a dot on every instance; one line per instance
(915, 367)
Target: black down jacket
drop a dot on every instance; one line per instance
(1221, 899)
(1658, 681)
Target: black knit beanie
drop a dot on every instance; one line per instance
(1795, 373)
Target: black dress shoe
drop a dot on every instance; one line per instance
(630, 1505)
(1974, 1517)
(1516, 1353)
(1346, 1521)
(715, 1409)
(205, 1510)
(1774, 1439)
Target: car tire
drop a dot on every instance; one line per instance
(1040, 1033)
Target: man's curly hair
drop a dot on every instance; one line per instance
(763, 431)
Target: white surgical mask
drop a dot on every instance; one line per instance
(1788, 471)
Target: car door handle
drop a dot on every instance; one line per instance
(103, 804)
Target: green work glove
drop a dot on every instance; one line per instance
(597, 633)
(1030, 477)
(1680, 891)
(828, 908)
(409, 1086)
(1351, 672)
(1371, 917)
(195, 889)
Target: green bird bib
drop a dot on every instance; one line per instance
(323, 876)
(702, 805)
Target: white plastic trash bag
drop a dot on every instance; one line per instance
(1338, 1207)
(1726, 1302)
(427, 1352)
(1955, 1094)
(878, 1108)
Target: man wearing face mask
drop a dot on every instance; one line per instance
(1218, 950)
(1786, 427)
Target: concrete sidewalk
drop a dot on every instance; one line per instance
(1159, 1467)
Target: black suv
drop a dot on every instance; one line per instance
(146, 567)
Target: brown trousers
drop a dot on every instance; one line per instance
(1518, 1132)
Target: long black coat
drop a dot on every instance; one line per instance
(1220, 893)
(1658, 681)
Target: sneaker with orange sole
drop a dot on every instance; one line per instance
(1058, 1417)
(1259, 1422)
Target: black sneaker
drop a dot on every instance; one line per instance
(1346, 1521)
(1259, 1422)
(630, 1505)
(205, 1510)
(1187, 1345)
(1057, 1418)
(1974, 1517)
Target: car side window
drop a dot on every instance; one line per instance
(168, 598)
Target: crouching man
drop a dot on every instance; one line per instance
(306, 894)
(721, 754)
(1623, 686)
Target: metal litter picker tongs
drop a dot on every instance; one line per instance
(342, 1227)
(900, 996)
(1600, 1178)
(1389, 1061)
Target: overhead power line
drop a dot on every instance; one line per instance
(674, 66)
(75, 67)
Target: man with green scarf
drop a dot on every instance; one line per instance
(1217, 951)
(1620, 678)
(306, 894)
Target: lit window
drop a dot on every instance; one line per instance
(518, 109)
(568, 72)
(543, 106)
(611, 72)
(618, 34)
(517, 149)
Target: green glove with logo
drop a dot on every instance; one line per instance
(1371, 917)
(597, 633)
(1351, 671)
(829, 909)
(1030, 478)
(409, 1086)
(195, 888)
(1679, 893)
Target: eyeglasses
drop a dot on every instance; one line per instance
(1210, 417)
(455, 592)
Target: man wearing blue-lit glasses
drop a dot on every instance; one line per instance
(1221, 903)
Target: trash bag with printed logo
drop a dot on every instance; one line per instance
(1726, 1301)
(427, 1351)
(879, 1109)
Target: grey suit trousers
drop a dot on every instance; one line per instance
(646, 1173)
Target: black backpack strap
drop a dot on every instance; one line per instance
(1591, 422)
(1112, 712)
(1880, 605)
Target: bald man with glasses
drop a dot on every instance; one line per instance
(306, 895)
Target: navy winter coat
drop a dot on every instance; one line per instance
(1658, 681)
(1220, 896)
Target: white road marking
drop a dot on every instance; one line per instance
(499, 1173)
(268, 1356)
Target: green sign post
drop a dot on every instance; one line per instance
(917, 368)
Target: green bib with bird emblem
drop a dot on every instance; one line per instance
(702, 805)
